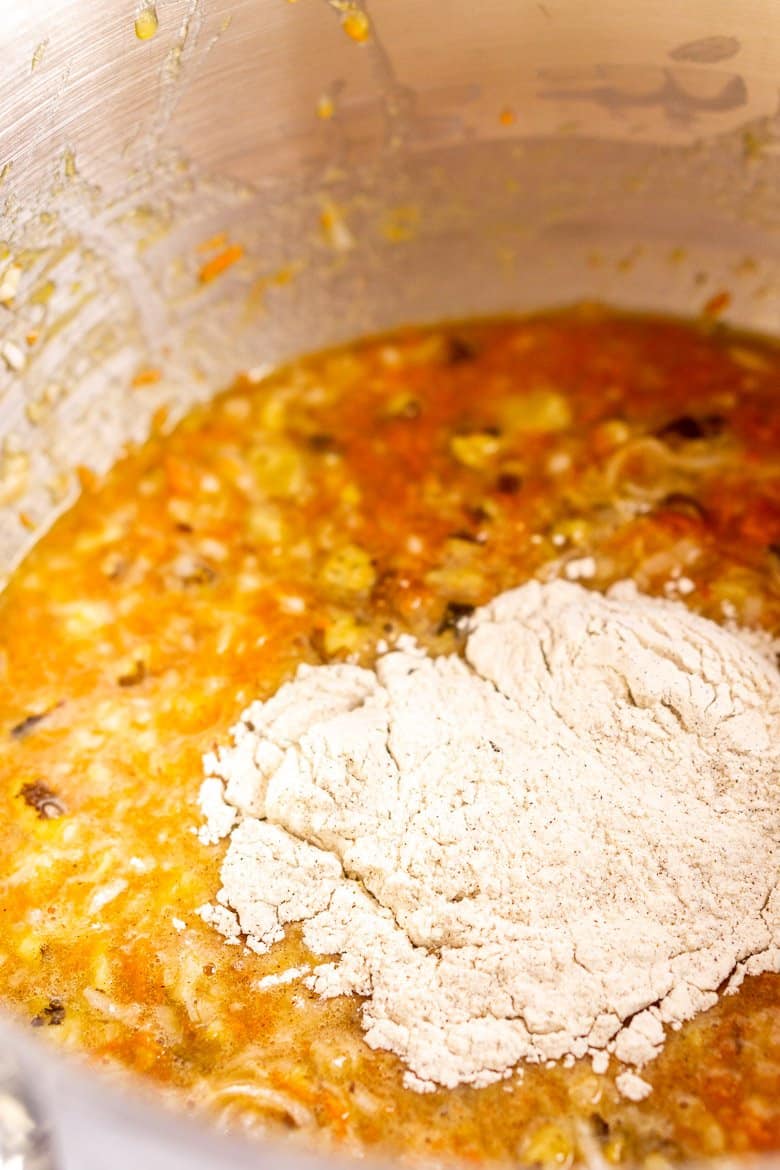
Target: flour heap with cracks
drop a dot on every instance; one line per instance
(558, 845)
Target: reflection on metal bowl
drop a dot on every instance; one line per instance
(201, 186)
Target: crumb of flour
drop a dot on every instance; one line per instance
(631, 1086)
(557, 846)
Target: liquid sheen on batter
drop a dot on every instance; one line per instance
(385, 488)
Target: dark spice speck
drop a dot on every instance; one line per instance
(40, 797)
(53, 1014)
(688, 427)
(508, 484)
(30, 722)
(322, 442)
(459, 350)
(454, 613)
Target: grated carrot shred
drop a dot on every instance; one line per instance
(220, 263)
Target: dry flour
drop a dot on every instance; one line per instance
(557, 847)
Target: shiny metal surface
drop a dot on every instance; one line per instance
(465, 158)
(25, 1142)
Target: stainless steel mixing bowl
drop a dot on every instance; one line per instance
(206, 185)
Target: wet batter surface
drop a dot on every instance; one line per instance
(382, 489)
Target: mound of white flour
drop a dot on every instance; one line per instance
(555, 847)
